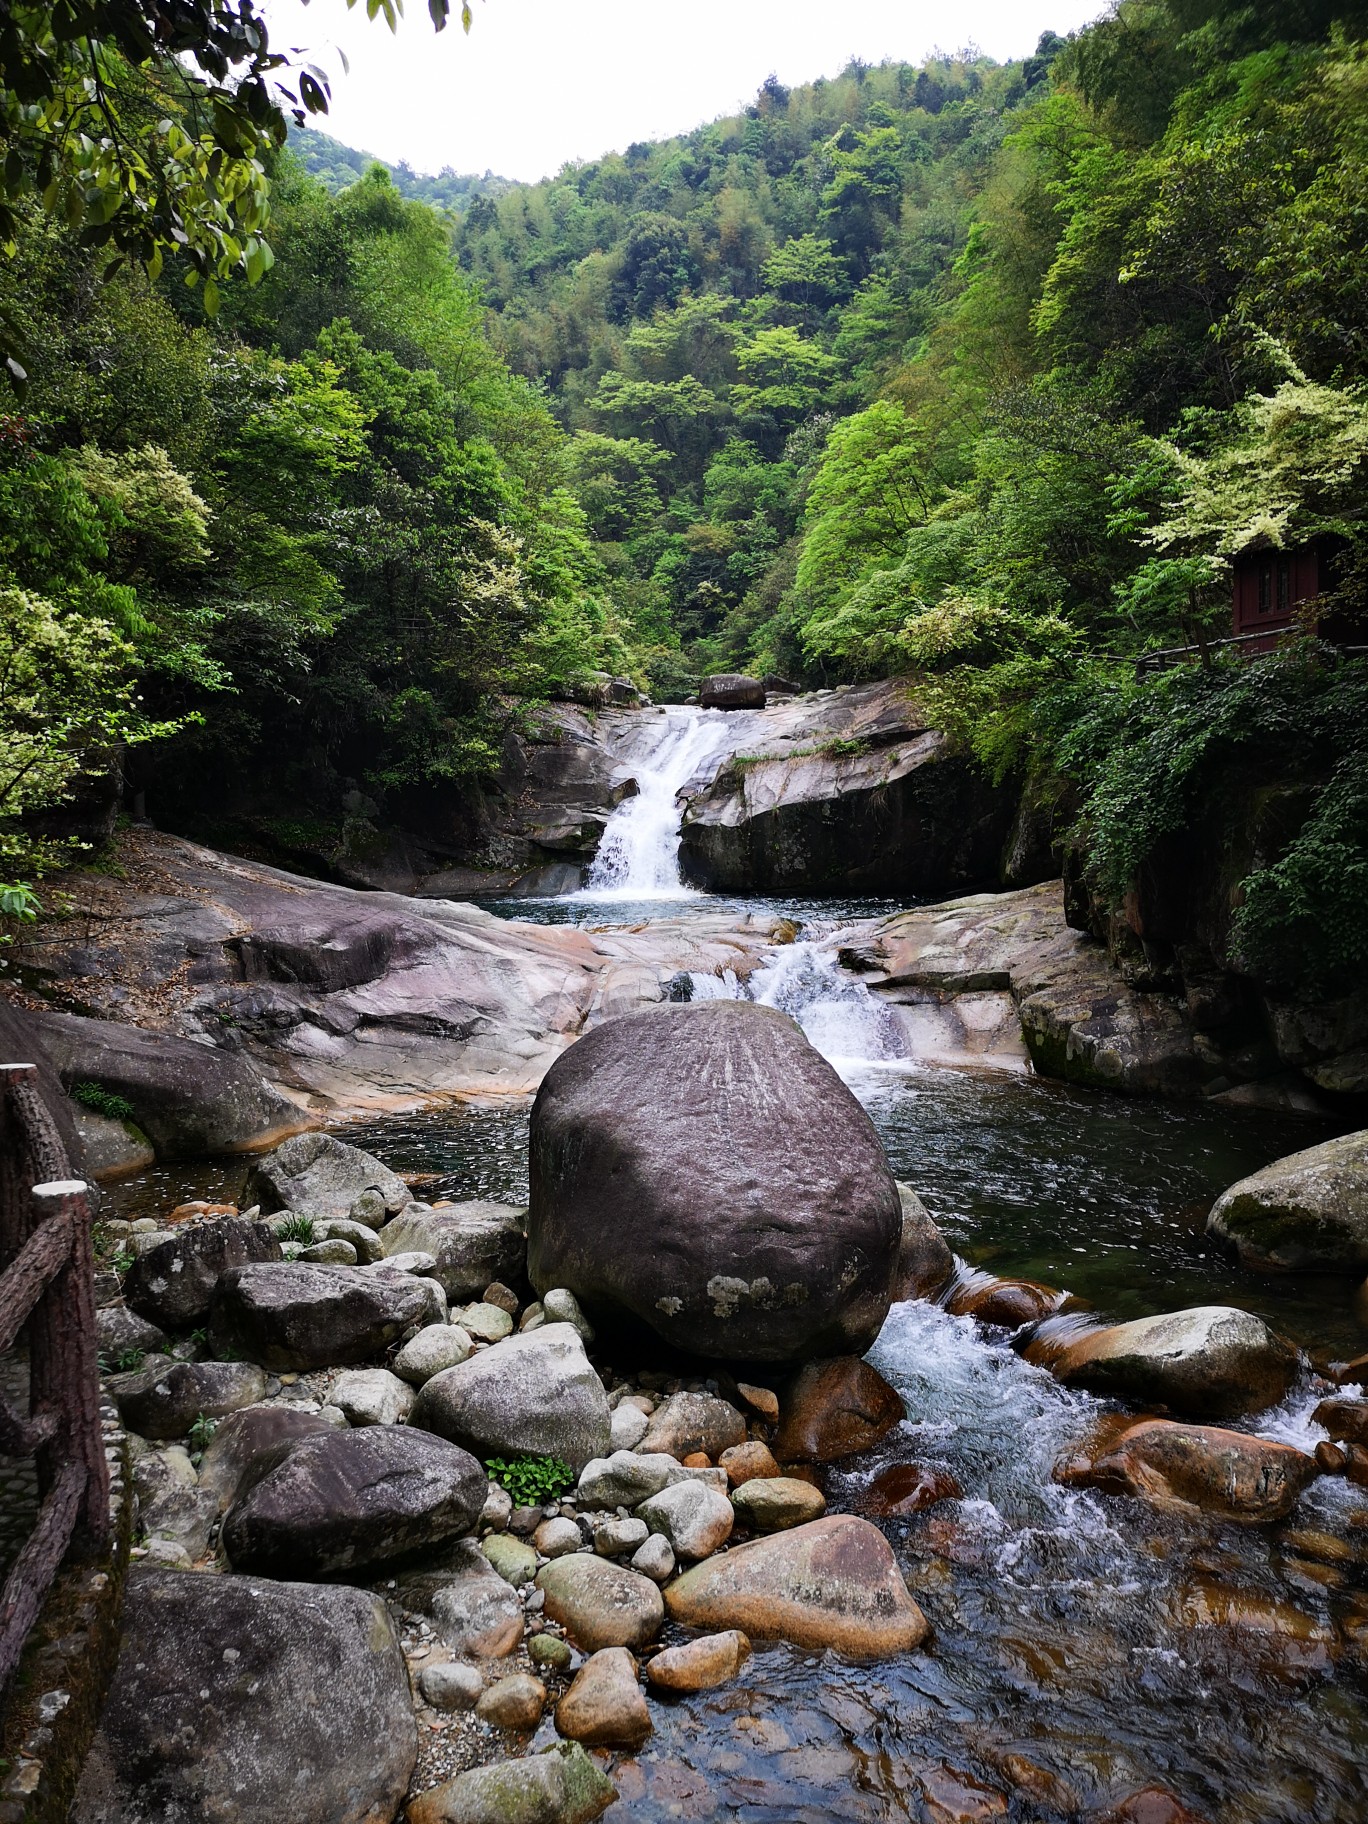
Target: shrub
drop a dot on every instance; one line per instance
(530, 1480)
(102, 1101)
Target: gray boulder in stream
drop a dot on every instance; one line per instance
(1307, 1213)
(702, 1171)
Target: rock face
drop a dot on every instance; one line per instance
(729, 690)
(1187, 1468)
(1307, 1213)
(1211, 1362)
(173, 1283)
(704, 1172)
(474, 1244)
(354, 1498)
(853, 792)
(834, 1409)
(533, 1392)
(297, 1316)
(227, 1704)
(318, 1175)
(188, 1099)
(832, 1583)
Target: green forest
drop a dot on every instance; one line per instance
(978, 374)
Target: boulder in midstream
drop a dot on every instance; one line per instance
(1306, 1213)
(1195, 1468)
(1209, 1362)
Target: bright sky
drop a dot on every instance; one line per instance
(540, 82)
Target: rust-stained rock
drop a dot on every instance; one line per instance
(906, 1489)
(744, 1462)
(833, 1583)
(700, 1665)
(1190, 1468)
(1009, 1303)
(833, 1409)
(604, 1707)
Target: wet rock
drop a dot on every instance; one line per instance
(226, 1704)
(833, 1583)
(834, 1409)
(1006, 1303)
(1343, 1418)
(745, 1462)
(560, 1786)
(294, 1316)
(601, 1603)
(1210, 1362)
(1197, 1468)
(1256, 1626)
(353, 1498)
(1307, 1213)
(192, 1101)
(435, 1347)
(762, 1400)
(476, 1612)
(450, 1684)
(627, 1427)
(689, 1422)
(1151, 1805)
(604, 1706)
(248, 1443)
(372, 1396)
(906, 1489)
(513, 1703)
(774, 1504)
(472, 1243)
(533, 1392)
(165, 1401)
(700, 1665)
(779, 1240)
(695, 1519)
(655, 1559)
(319, 1175)
(925, 1262)
(512, 1558)
(172, 1285)
(484, 1323)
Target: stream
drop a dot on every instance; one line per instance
(1083, 1646)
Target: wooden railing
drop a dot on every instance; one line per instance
(47, 1283)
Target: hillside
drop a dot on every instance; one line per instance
(335, 166)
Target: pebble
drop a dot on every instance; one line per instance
(512, 1558)
(553, 1538)
(562, 1307)
(525, 1520)
(497, 1510)
(503, 1296)
(746, 1462)
(760, 1400)
(627, 1427)
(546, 1650)
(484, 1323)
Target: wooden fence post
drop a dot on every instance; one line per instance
(64, 1361)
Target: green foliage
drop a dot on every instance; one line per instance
(531, 1480)
(127, 1361)
(296, 1227)
(200, 1435)
(102, 1101)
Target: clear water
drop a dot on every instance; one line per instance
(1083, 1646)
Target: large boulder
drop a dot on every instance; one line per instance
(164, 1401)
(832, 1583)
(173, 1284)
(730, 690)
(321, 1176)
(188, 1099)
(354, 1498)
(1195, 1468)
(1210, 1362)
(534, 1392)
(248, 1443)
(298, 1316)
(1307, 1213)
(835, 1409)
(473, 1244)
(703, 1171)
(244, 1701)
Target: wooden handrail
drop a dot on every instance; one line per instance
(48, 1284)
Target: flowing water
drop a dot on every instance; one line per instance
(1083, 1646)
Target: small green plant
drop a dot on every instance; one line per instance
(123, 1363)
(296, 1228)
(102, 1101)
(121, 1262)
(531, 1481)
(19, 902)
(200, 1433)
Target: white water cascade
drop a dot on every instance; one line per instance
(841, 1018)
(638, 857)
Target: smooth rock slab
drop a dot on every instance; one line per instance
(694, 1518)
(834, 1409)
(560, 1786)
(164, 1402)
(703, 1171)
(1197, 1468)
(599, 1602)
(1210, 1362)
(772, 1504)
(533, 1392)
(833, 1583)
(295, 1316)
(354, 1498)
(172, 1285)
(604, 1707)
(1307, 1213)
(226, 1705)
(700, 1665)
(320, 1175)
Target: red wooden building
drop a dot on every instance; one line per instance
(1269, 587)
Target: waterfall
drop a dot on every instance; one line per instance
(638, 857)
